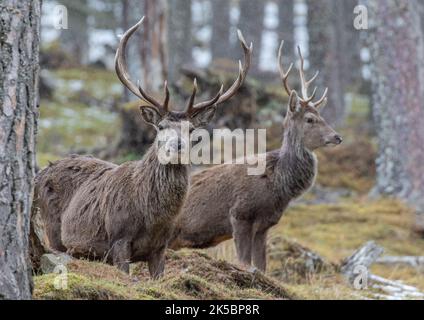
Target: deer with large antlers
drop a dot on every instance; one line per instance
(225, 202)
(122, 214)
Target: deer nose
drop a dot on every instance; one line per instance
(338, 139)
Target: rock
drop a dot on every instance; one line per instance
(50, 263)
(37, 240)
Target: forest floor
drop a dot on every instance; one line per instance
(330, 222)
(333, 232)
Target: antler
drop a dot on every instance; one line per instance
(243, 69)
(284, 75)
(192, 109)
(305, 99)
(305, 84)
(123, 74)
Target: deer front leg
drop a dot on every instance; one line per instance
(121, 255)
(242, 234)
(157, 263)
(259, 250)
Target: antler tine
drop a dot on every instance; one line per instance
(208, 103)
(166, 100)
(122, 71)
(284, 75)
(322, 100)
(148, 97)
(243, 69)
(192, 97)
(312, 97)
(305, 84)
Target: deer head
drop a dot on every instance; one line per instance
(303, 114)
(168, 123)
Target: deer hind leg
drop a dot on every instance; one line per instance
(259, 250)
(157, 263)
(242, 233)
(121, 255)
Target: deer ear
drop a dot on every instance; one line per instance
(204, 116)
(150, 115)
(294, 105)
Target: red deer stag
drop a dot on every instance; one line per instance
(96, 209)
(225, 202)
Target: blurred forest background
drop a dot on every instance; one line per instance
(376, 88)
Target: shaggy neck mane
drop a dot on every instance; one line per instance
(294, 168)
(168, 183)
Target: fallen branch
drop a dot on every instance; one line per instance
(411, 261)
(359, 262)
(395, 290)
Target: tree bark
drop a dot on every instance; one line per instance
(397, 50)
(179, 36)
(220, 41)
(19, 47)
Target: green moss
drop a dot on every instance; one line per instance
(64, 128)
(78, 286)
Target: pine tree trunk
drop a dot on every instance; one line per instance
(251, 24)
(19, 47)
(153, 46)
(179, 36)
(220, 41)
(334, 50)
(286, 26)
(75, 39)
(396, 46)
(351, 47)
(125, 24)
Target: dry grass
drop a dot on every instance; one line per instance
(334, 232)
(189, 275)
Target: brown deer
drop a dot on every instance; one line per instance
(225, 202)
(125, 213)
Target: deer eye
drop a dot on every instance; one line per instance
(310, 120)
(160, 127)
